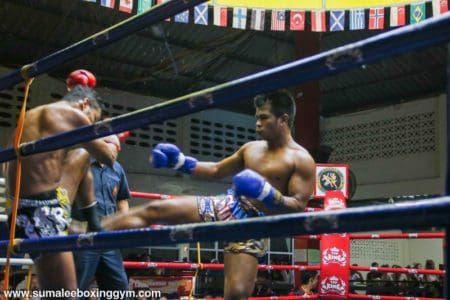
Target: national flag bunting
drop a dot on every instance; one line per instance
(107, 3)
(258, 19)
(240, 17)
(376, 18)
(398, 16)
(201, 14)
(357, 19)
(220, 16)
(144, 5)
(318, 22)
(126, 6)
(182, 17)
(337, 20)
(417, 13)
(440, 7)
(297, 20)
(278, 20)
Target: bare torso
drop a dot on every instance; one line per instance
(41, 172)
(275, 165)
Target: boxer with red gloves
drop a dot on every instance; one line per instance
(272, 176)
(81, 77)
(117, 139)
(103, 191)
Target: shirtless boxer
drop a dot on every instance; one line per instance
(275, 175)
(44, 205)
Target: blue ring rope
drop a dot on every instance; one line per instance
(424, 213)
(413, 37)
(98, 40)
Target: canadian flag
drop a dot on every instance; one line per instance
(220, 16)
(397, 16)
(318, 22)
(440, 7)
(126, 6)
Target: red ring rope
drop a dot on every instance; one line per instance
(398, 270)
(175, 265)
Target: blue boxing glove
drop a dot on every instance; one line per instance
(250, 184)
(169, 156)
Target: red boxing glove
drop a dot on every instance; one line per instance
(81, 77)
(113, 139)
(123, 136)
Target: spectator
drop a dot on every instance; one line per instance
(356, 278)
(110, 187)
(373, 280)
(400, 282)
(214, 280)
(432, 285)
(386, 285)
(418, 282)
(310, 280)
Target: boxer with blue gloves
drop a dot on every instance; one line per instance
(250, 184)
(272, 176)
(169, 156)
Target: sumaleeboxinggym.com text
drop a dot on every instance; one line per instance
(62, 293)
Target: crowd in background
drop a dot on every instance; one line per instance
(281, 282)
(399, 284)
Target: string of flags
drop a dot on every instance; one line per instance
(294, 20)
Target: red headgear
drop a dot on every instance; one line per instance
(82, 77)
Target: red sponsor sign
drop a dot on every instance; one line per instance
(180, 285)
(335, 255)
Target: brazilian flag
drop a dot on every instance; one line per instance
(417, 13)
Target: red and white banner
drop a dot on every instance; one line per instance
(334, 200)
(335, 262)
(179, 285)
(335, 255)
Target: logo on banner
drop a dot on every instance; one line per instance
(334, 256)
(331, 179)
(332, 285)
(335, 203)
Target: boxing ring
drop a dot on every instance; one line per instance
(324, 221)
(419, 214)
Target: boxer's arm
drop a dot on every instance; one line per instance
(103, 152)
(226, 167)
(73, 118)
(300, 185)
(250, 184)
(166, 155)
